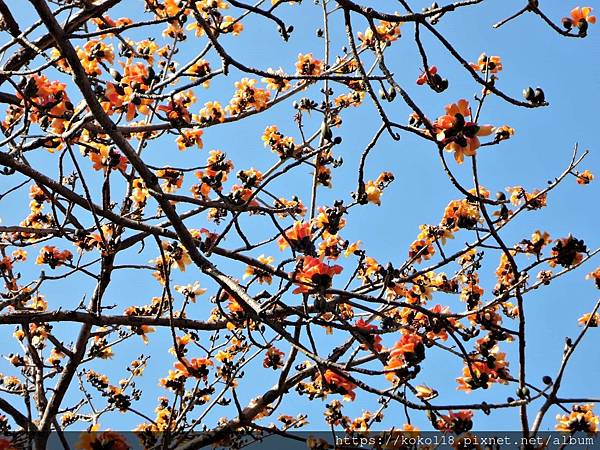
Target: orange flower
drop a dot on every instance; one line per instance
(299, 236)
(307, 65)
(313, 274)
(189, 138)
(142, 330)
(280, 144)
(488, 64)
(568, 252)
(231, 25)
(457, 423)
(585, 177)
(53, 257)
(339, 384)
(139, 192)
(276, 84)
(173, 179)
(262, 276)
(106, 158)
(420, 249)
(196, 367)
(595, 275)
(481, 374)
(247, 96)
(365, 329)
(594, 320)
(273, 359)
(211, 113)
(409, 350)
(426, 75)
(425, 392)
(177, 112)
(190, 291)
(579, 15)
(581, 418)
(457, 134)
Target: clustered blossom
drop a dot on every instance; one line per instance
(457, 134)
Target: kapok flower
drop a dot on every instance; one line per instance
(191, 291)
(426, 75)
(594, 320)
(457, 423)
(595, 275)
(581, 418)
(481, 374)
(189, 138)
(457, 134)
(307, 65)
(580, 18)
(284, 146)
(460, 214)
(173, 179)
(277, 84)
(425, 392)
(299, 236)
(212, 113)
(142, 330)
(53, 257)
(314, 275)
(420, 249)
(93, 54)
(262, 276)
(247, 96)
(139, 192)
(273, 359)
(409, 350)
(488, 64)
(338, 384)
(585, 177)
(502, 133)
(374, 340)
(568, 252)
(195, 367)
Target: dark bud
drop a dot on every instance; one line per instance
(547, 380)
(320, 32)
(567, 23)
(485, 408)
(443, 85)
(539, 96)
(583, 27)
(523, 393)
(392, 93)
(337, 140)
(528, 94)
(500, 196)
(115, 74)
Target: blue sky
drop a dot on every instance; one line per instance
(532, 55)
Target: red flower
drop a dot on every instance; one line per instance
(313, 271)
